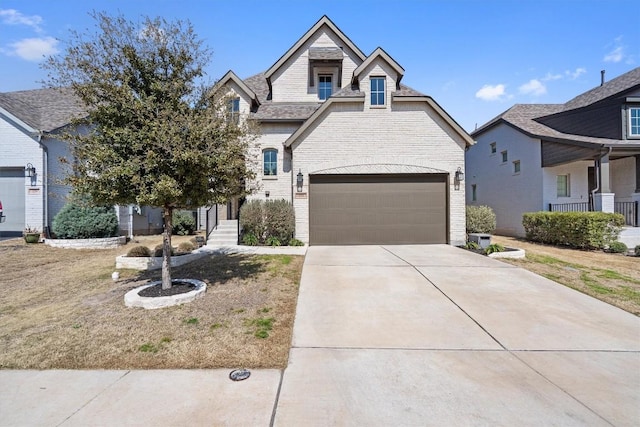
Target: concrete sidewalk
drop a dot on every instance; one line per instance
(400, 335)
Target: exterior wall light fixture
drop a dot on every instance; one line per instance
(299, 181)
(31, 170)
(459, 177)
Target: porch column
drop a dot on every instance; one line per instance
(604, 198)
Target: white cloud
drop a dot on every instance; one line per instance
(533, 87)
(615, 55)
(575, 74)
(34, 49)
(550, 76)
(13, 17)
(491, 93)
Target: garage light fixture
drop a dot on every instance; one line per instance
(31, 170)
(459, 175)
(299, 181)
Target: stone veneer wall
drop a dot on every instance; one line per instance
(105, 243)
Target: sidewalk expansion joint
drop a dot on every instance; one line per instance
(95, 397)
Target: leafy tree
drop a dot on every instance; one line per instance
(154, 133)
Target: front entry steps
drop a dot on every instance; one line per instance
(225, 234)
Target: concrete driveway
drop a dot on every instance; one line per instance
(435, 335)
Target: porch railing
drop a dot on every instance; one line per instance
(569, 207)
(629, 210)
(212, 219)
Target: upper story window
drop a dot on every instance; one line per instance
(270, 162)
(493, 148)
(516, 166)
(634, 121)
(505, 157)
(377, 90)
(324, 86)
(234, 109)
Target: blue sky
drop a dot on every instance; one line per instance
(475, 58)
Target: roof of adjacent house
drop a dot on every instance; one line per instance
(43, 109)
(524, 116)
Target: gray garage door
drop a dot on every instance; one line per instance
(12, 197)
(378, 209)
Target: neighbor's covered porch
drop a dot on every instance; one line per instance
(606, 179)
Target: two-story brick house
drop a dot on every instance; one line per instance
(363, 158)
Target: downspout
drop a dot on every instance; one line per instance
(597, 172)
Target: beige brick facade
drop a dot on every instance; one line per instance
(409, 133)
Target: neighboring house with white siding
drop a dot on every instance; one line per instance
(583, 155)
(363, 158)
(30, 168)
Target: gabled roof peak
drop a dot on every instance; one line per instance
(324, 21)
(231, 76)
(379, 53)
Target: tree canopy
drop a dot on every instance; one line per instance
(155, 133)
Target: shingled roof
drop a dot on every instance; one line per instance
(610, 88)
(43, 109)
(523, 116)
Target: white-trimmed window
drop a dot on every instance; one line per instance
(516, 166)
(505, 157)
(270, 162)
(493, 148)
(377, 90)
(563, 185)
(634, 121)
(325, 86)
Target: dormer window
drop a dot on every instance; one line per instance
(325, 86)
(377, 90)
(322, 61)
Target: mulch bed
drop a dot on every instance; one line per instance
(175, 289)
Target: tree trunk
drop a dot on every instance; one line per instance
(167, 214)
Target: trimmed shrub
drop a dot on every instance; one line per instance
(279, 220)
(266, 221)
(584, 230)
(296, 242)
(185, 247)
(494, 247)
(77, 221)
(183, 223)
(273, 241)
(617, 248)
(472, 246)
(139, 251)
(250, 239)
(252, 220)
(157, 251)
(480, 219)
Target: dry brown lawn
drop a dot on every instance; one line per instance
(612, 278)
(59, 308)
